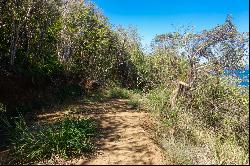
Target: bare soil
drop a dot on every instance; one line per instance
(125, 134)
(125, 139)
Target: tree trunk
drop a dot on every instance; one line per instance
(182, 87)
(13, 45)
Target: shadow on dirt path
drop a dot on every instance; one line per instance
(123, 139)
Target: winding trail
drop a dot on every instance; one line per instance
(124, 138)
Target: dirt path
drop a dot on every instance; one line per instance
(124, 139)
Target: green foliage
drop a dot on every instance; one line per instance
(87, 42)
(66, 138)
(162, 69)
(156, 99)
(118, 93)
(135, 100)
(129, 62)
(222, 107)
(64, 46)
(29, 44)
(134, 103)
(69, 90)
(213, 113)
(210, 109)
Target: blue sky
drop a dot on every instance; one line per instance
(153, 17)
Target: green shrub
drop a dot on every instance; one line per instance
(66, 138)
(72, 90)
(134, 103)
(95, 97)
(208, 125)
(156, 100)
(118, 93)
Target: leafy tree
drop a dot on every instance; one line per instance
(215, 50)
(86, 42)
(29, 32)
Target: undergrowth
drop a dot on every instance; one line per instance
(209, 127)
(66, 138)
(118, 93)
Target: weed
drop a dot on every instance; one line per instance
(66, 138)
(118, 93)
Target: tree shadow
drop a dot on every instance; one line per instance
(114, 117)
(129, 150)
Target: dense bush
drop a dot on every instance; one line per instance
(118, 93)
(54, 50)
(50, 44)
(204, 120)
(210, 127)
(86, 46)
(51, 50)
(28, 44)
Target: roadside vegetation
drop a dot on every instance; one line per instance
(67, 137)
(52, 53)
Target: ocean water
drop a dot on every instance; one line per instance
(241, 74)
(245, 78)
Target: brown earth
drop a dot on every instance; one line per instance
(125, 138)
(125, 141)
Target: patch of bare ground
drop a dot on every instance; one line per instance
(125, 137)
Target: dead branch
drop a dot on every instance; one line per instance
(182, 87)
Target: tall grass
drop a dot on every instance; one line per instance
(66, 138)
(118, 93)
(209, 125)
